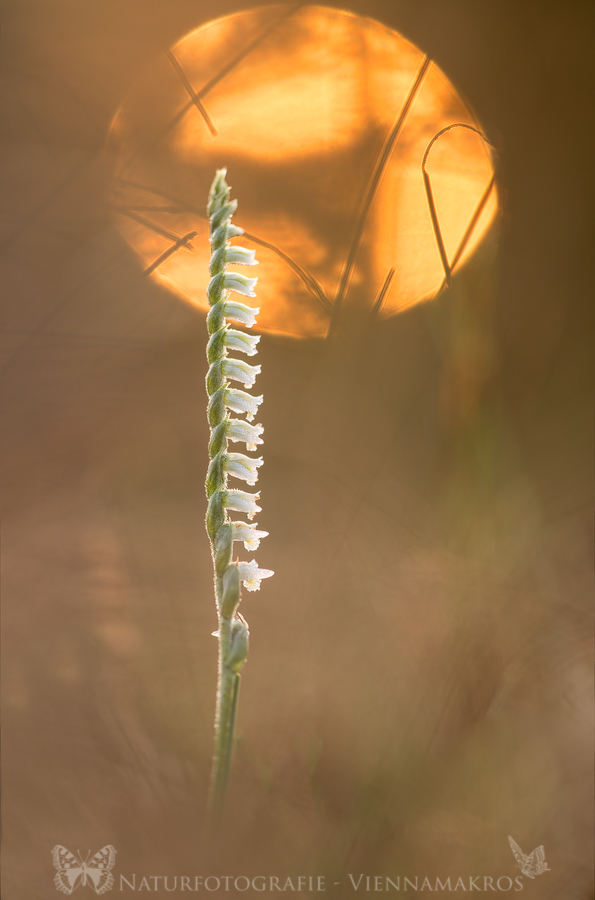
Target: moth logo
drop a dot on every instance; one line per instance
(74, 872)
(531, 865)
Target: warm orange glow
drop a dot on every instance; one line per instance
(301, 105)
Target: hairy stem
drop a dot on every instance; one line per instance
(225, 714)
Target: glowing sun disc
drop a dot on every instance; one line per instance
(322, 119)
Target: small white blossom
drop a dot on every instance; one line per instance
(238, 430)
(241, 402)
(251, 575)
(233, 281)
(242, 467)
(239, 312)
(241, 256)
(238, 370)
(224, 254)
(242, 502)
(243, 343)
(249, 534)
(225, 233)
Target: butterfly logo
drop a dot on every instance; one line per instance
(531, 865)
(72, 871)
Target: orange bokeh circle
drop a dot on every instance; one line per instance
(322, 119)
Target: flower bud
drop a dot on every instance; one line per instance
(215, 376)
(216, 409)
(226, 210)
(230, 592)
(216, 316)
(215, 473)
(224, 233)
(218, 192)
(239, 644)
(218, 440)
(215, 513)
(223, 548)
(215, 289)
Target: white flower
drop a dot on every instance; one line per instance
(241, 256)
(251, 575)
(242, 466)
(224, 233)
(249, 534)
(225, 254)
(233, 281)
(241, 402)
(244, 343)
(242, 502)
(238, 370)
(238, 430)
(239, 312)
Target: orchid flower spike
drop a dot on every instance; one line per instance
(232, 633)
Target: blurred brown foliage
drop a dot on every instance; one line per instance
(419, 680)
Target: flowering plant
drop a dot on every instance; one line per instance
(229, 574)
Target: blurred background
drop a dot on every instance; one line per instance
(419, 683)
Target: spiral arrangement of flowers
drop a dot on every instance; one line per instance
(230, 574)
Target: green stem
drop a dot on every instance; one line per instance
(225, 714)
(228, 752)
